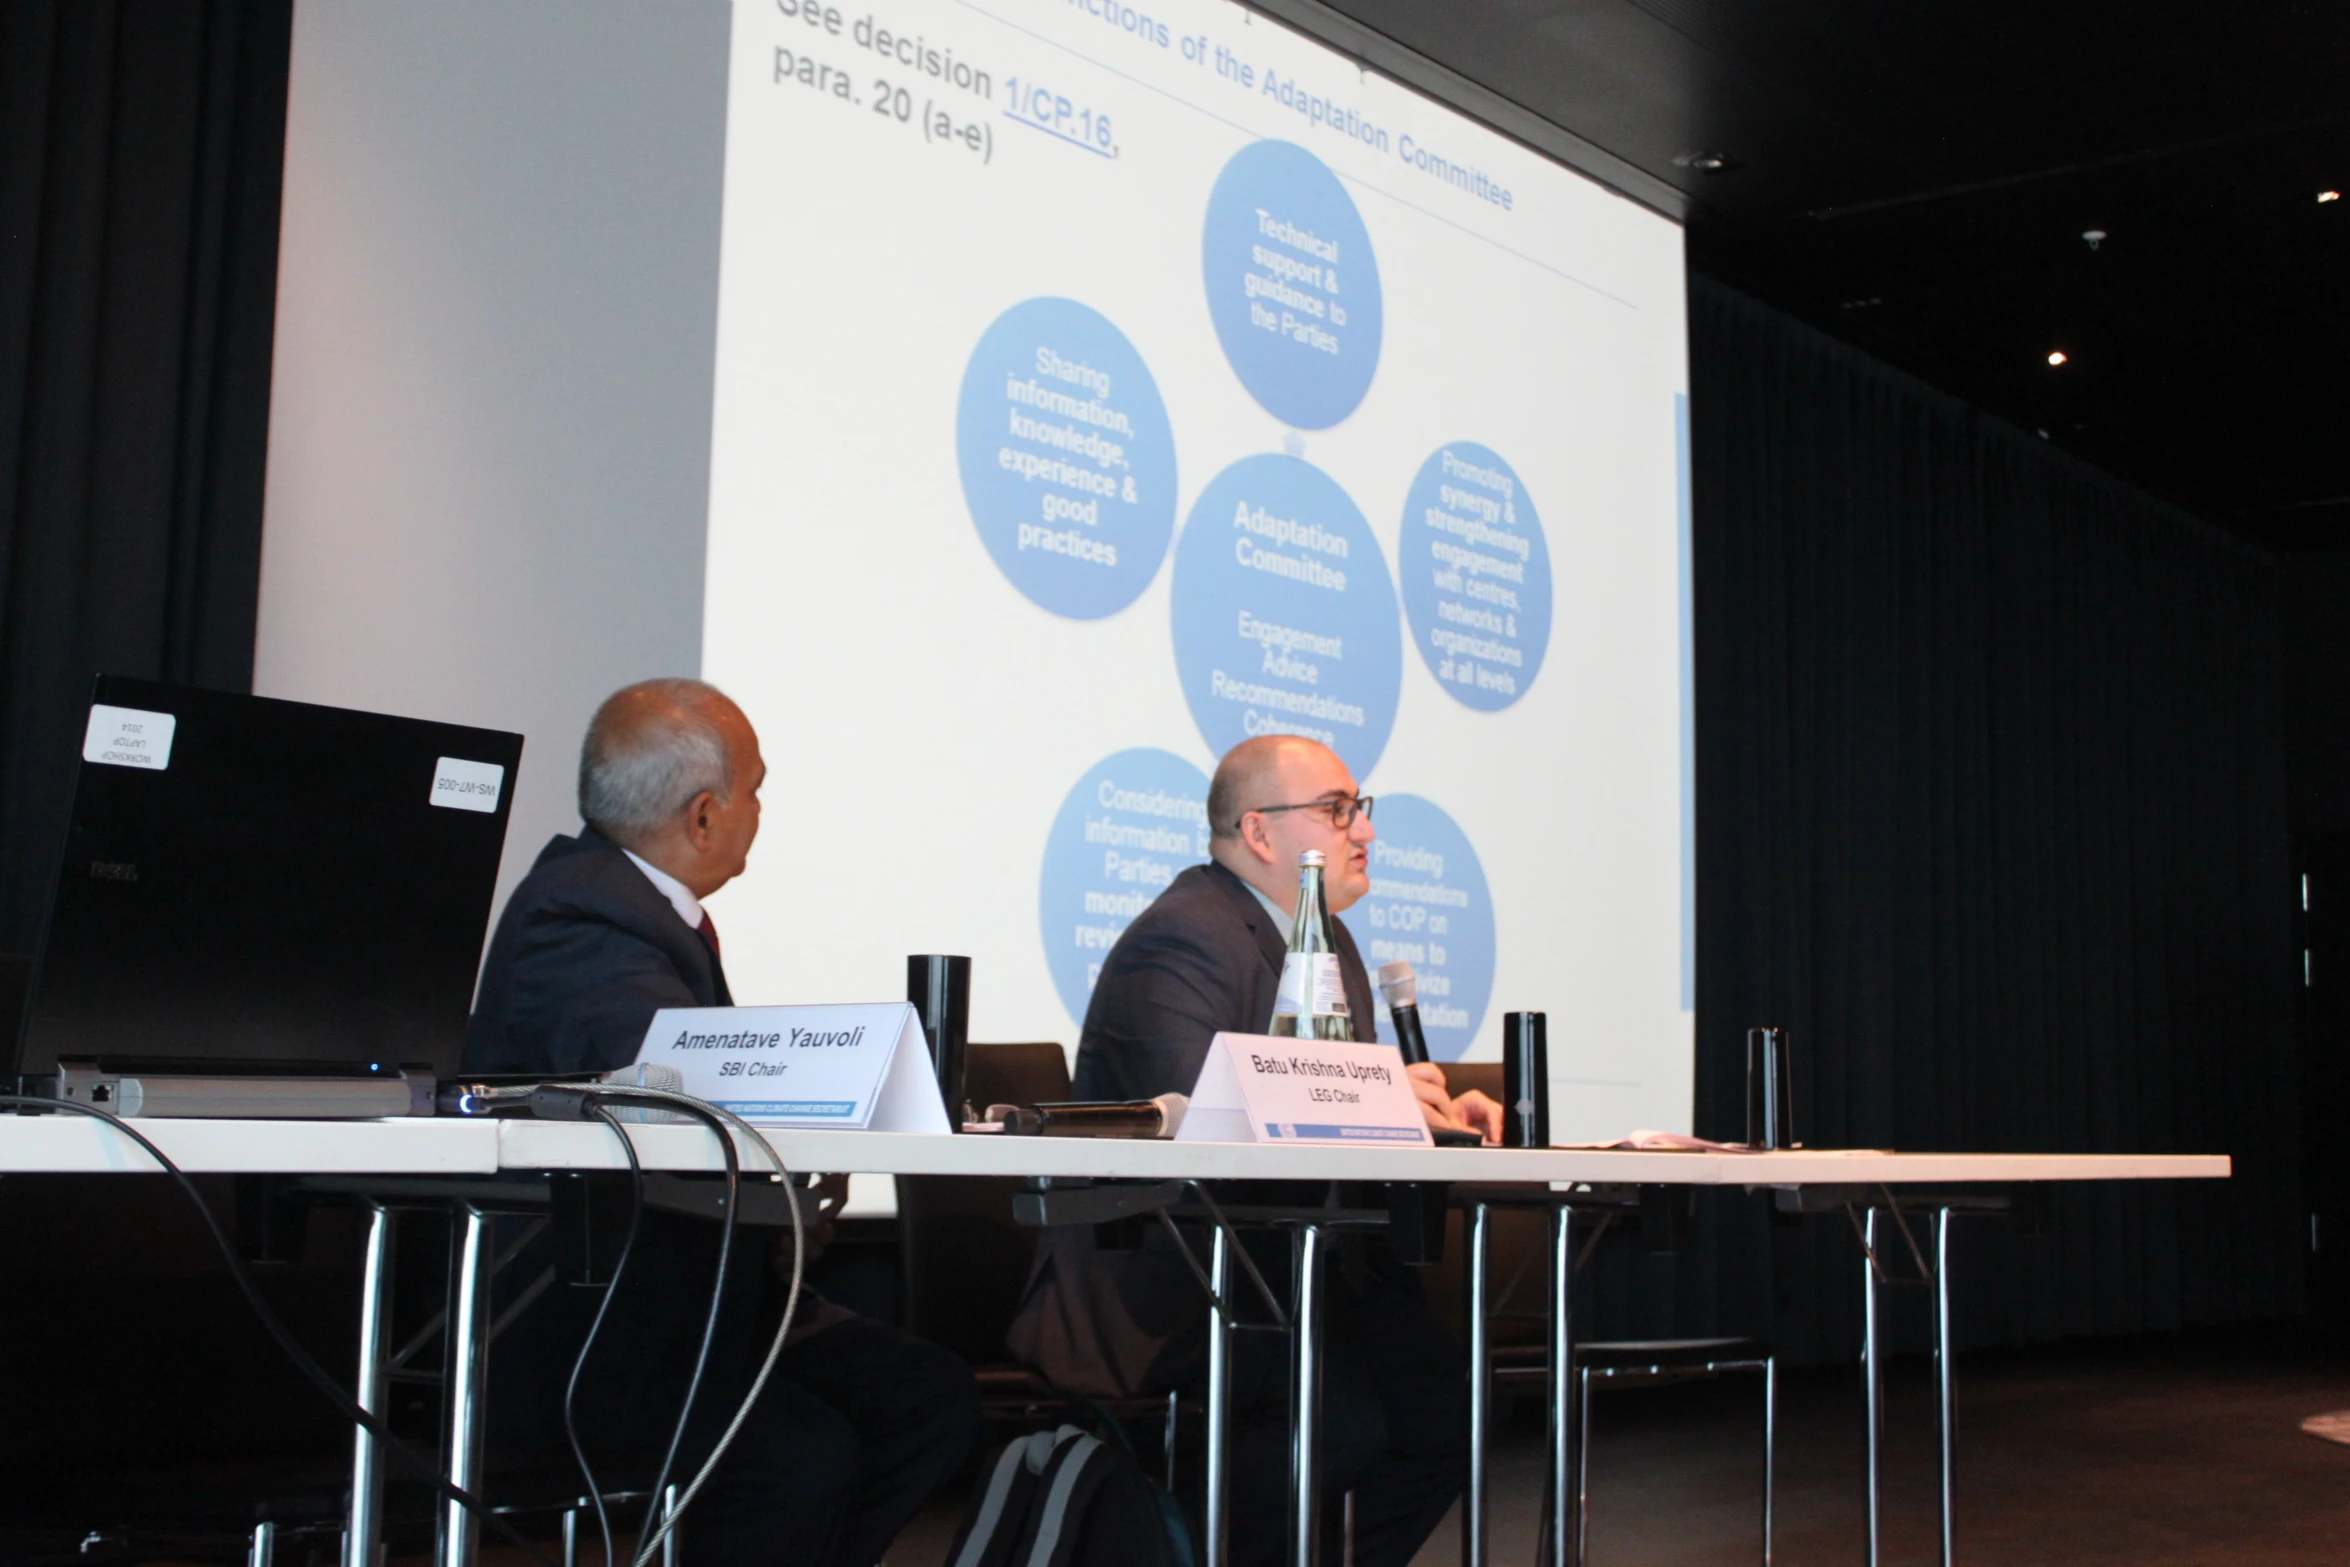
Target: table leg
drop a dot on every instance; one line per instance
(1306, 1545)
(1219, 1522)
(1872, 1376)
(1562, 1384)
(469, 1322)
(1476, 1510)
(1946, 1414)
(363, 1524)
(1770, 1451)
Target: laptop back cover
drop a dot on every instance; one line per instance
(250, 880)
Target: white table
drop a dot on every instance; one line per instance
(68, 1144)
(444, 1149)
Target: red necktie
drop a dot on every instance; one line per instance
(708, 933)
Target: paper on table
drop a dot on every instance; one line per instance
(1647, 1140)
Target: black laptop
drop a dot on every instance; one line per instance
(265, 907)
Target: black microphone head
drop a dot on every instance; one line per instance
(1402, 991)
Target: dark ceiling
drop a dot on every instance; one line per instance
(1916, 178)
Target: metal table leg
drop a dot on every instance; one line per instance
(1945, 1411)
(363, 1524)
(1872, 1377)
(1476, 1510)
(1307, 1474)
(1770, 1450)
(1582, 1467)
(1219, 1522)
(469, 1321)
(1562, 1383)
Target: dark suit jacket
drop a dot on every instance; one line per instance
(586, 952)
(1203, 959)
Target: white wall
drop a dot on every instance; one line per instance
(490, 427)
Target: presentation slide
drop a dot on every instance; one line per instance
(1099, 385)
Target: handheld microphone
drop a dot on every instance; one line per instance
(1157, 1117)
(1402, 991)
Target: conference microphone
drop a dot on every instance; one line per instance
(514, 1095)
(649, 1074)
(1402, 991)
(1156, 1117)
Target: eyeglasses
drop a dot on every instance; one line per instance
(1340, 812)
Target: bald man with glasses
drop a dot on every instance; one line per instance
(1205, 958)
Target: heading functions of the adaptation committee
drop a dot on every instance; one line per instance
(1320, 111)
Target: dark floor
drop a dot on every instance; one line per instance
(2152, 1454)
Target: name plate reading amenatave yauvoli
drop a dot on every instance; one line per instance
(1255, 1088)
(861, 1067)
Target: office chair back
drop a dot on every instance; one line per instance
(965, 1261)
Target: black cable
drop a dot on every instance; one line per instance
(560, 1104)
(636, 1214)
(693, 1387)
(310, 1368)
(572, 1102)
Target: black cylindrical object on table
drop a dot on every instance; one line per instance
(1525, 1080)
(939, 987)
(1770, 1090)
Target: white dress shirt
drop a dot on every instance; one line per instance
(688, 907)
(1282, 918)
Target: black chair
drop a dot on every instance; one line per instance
(1523, 1355)
(965, 1261)
(1662, 1361)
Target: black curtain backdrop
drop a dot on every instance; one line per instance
(1992, 815)
(141, 143)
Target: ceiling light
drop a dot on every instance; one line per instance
(2095, 237)
(1702, 162)
(2329, 195)
(2056, 356)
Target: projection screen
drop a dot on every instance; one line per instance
(1098, 385)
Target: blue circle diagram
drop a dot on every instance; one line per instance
(1120, 837)
(1476, 576)
(1284, 618)
(1429, 906)
(1068, 461)
(1292, 285)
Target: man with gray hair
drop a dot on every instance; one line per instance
(861, 1421)
(608, 927)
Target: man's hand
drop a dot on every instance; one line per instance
(1481, 1115)
(1472, 1112)
(830, 1194)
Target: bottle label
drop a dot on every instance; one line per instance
(1312, 984)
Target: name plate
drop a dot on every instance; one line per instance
(863, 1067)
(1254, 1088)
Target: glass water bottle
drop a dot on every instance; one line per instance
(1312, 1001)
